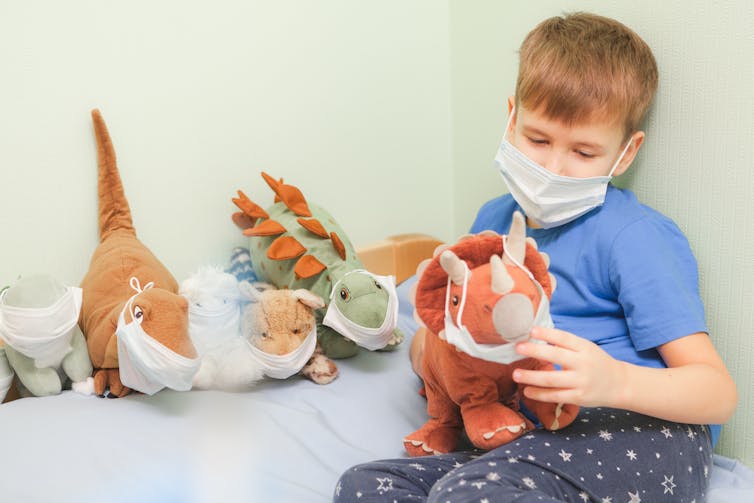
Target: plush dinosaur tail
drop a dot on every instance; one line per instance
(114, 212)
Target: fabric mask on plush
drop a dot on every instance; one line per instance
(458, 335)
(549, 199)
(284, 366)
(41, 333)
(210, 327)
(145, 364)
(369, 338)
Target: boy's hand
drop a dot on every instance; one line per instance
(589, 376)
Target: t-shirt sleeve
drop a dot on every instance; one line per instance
(655, 274)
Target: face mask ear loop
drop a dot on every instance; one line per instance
(620, 157)
(508, 124)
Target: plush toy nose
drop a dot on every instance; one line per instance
(513, 316)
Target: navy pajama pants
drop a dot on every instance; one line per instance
(605, 456)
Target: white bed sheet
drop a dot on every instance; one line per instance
(284, 441)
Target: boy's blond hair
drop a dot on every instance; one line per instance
(583, 66)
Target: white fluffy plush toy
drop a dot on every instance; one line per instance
(244, 332)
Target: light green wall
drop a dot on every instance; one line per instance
(695, 165)
(350, 101)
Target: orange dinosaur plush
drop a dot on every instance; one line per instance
(129, 292)
(478, 298)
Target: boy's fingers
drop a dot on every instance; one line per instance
(556, 337)
(543, 378)
(545, 352)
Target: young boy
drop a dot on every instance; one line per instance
(631, 339)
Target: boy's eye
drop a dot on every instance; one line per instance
(585, 155)
(537, 141)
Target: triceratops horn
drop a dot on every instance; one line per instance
(502, 282)
(516, 241)
(454, 266)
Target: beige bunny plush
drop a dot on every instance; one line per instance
(278, 339)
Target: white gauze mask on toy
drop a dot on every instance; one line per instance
(284, 366)
(458, 335)
(145, 364)
(547, 198)
(369, 338)
(41, 333)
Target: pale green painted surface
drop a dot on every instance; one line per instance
(350, 101)
(695, 165)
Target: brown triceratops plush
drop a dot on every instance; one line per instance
(128, 291)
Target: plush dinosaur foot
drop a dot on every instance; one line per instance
(555, 416)
(320, 369)
(109, 380)
(431, 439)
(394, 341)
(335, 345)
(492, 425)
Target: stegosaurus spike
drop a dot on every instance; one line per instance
(314, 226)
(289, 195)
(308, 266)
(338, 245)
(284, 248)
(242, 220)
(266, 228)
(249, 207)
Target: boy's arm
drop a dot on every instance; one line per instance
(695, 388)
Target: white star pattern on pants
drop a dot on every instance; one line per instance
(528, 482)
(668, 484)
(631, 455)
(606, 435)
(634, 497)
(386, 485)
(665, 431)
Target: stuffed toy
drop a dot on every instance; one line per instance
(43, 343)
(297, 244)
(241, 266)
(215, 303)
(6, 373)
(134, 321)
(477, 299)
(278, 338)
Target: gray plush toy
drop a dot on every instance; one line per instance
(43, 343)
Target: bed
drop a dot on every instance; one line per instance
(283, 441)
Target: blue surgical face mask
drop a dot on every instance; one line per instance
(548, 199)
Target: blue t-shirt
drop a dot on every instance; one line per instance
(626, 277)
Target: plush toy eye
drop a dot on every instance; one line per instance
(344, 294)
(138, 313)
(377, 284)
(296, 331)
(264, 335)
(455, 300)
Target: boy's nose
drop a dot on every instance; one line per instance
(553, 163)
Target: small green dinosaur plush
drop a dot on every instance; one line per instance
(43, 343)
(297, 244)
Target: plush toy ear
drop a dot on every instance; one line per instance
(308, 298)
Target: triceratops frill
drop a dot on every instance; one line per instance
(298, 244)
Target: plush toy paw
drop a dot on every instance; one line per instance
(492, 425)
(555, 416)
(432, 438)
(107, 383)
(335, 345)
(85, 387)
(394, 341)
(320, 369)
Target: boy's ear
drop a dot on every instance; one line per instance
(511, 106)
(637, 138)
